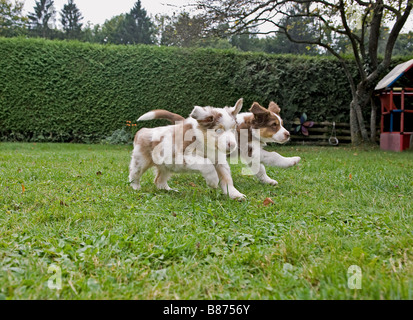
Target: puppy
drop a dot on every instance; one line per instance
(259, 127)
(199, 143)
(255, 129)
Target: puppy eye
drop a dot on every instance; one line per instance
(219, 131)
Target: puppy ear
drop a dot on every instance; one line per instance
(233, 111)
(257, 110)
(260, 113)
(273, 107)
(200, 114)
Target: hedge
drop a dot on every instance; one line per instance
(72, 91)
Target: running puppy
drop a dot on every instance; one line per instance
(259, 127)
(199, 143)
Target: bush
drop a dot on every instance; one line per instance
(119, 136)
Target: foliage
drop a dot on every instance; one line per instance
(180, 30)
(70, 19)
(42, 19)
(77, 212)
(119, 136)
(138, 27)
(404, 44)
(134, 27)
(12, 21)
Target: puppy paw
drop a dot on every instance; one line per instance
(166, 187)
(271, 182)
(213, 183)
(291, 162)
(237, 196)
(296, 160)
(135, 186)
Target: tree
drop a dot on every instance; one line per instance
(181, 30)
(110, 31)
(246, 42)
(70, 18)
(300, 27)
(359, 21)
(137, 26)
(42, 19)
(12, 22)
(404, 44)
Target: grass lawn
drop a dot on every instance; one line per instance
(70, 206)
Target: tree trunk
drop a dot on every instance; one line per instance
(373, 121)
(354, 126)
(358, 129)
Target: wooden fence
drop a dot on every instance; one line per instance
(321, 132)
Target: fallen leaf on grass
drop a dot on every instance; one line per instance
(192, 184)
(23, 188)
(62, 203)
(350, 177)
(267, 202)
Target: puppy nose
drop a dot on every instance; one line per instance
(230, 146)
(286, 135)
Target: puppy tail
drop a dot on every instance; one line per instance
(161, 114)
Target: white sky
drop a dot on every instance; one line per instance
(98, 11)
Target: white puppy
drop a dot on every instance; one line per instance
(199, 143)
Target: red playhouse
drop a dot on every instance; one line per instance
(396, 96)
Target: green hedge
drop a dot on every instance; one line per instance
(71, 91)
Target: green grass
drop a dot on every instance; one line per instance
(339, 207)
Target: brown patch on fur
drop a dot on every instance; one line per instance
(145, 145)
(268, 132)
(273, 107)
(210, 122)
(258, 111)
(249, 151)
(186, 128)
(261, 119)
(246, 125)
(164, 114)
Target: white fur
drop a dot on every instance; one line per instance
(282, 136)
(147, 116)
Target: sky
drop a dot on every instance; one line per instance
(98, 11)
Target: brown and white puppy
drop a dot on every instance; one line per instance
(199, 143)
(255, 129)
(259, 127)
